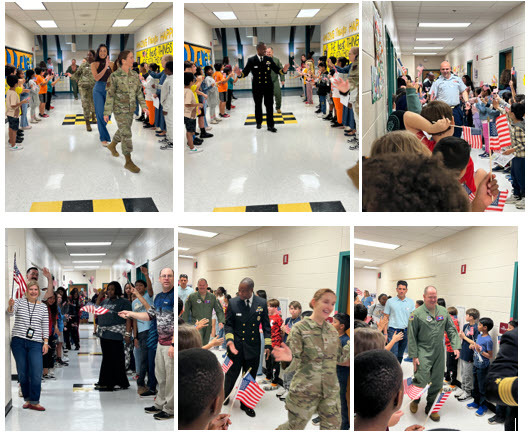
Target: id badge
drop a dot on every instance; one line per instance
(29, 333)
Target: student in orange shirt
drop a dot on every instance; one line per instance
(43, 89)
(223, 87)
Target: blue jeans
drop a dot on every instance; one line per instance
(221, 332)
(142, 362)
(480, 385)
(518, 176)
(205, 105)
(23, 116)
(458, 119)
(349, 122)
(99, 95)
(28, 357)
(137, 109)
(398, 348)
(343, 384)
(152, 380)
(345, 116)
(322, 103)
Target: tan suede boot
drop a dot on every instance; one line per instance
(435, 417)
(89, 128)
(129, 165)
(112, 147)
(413, 407)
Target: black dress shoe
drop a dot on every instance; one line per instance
(272, 129)
(248, 411)
(258, 126)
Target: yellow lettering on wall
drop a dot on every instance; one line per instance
(348, 30)
(165, 35)
(154, 54)
(341, 47)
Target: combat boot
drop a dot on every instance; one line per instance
(129, 165)
(435, 417)
(89, 128)
(414, 406)
(112, 147)
(94, 120)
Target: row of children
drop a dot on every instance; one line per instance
(336, 81)
(33, 89)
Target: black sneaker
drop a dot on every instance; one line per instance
(148, 126)
(316, 421)
(148, 393)
(152, 410)
(163, 416)
(206, 135)
(495, 419)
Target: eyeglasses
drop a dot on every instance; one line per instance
(166, 276)
(183, 275)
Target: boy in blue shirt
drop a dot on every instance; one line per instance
(482, 355)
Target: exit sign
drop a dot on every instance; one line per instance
(285, 259)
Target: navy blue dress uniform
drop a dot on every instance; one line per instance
(263, 87)
(502, 377)
(242, 326)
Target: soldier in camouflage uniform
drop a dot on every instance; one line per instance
(85, 81)
(200, 305)
(123, 93)
(314, 349)
(425, 333)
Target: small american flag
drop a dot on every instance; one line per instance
(473, 137)
(130, 262)
(227, 363)
(440, 401)
(19, 279)
(402, 67)
(124, 274)
(497, 205)
(358, 291)
(70, 282)
(249, 392)
(91, 279)
(499, 135)
(414, 392)
(96, 310)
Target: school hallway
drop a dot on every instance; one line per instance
(303, 163)
(454, 414)
(72, 404)
(270, 411)
(62, 163)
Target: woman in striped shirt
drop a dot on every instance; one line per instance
(29, 342)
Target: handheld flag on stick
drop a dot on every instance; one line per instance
(443, 396)
(497, 204)
(227, 363)
(414, 392)
(249, 392)
(473, 137)
(70, 282)
(19, 280)
(130, 262)
(96, 310)
(234, 390)
(358, 291)
(402, 67)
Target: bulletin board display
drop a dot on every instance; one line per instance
(201, 56)
(21, 59)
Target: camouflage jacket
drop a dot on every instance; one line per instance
(83, 76)
(123, 92)
(316, 352)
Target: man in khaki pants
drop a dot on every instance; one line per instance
(162, 311)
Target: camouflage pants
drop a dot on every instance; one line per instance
(302, 407)
(87, 101)
(124, 135)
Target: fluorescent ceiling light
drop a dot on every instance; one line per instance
(185, 256)
(428, 48)
(434, 39)
(91, 243)
(31, 6)
(87, 262)
(363, 260)
(68, 269)
(122, 23)
(46, 24)
(88, 254)
(229, 15)
(370, 268)
(137, 4)
(197, 232)
(444, 24)
(376, 244)
(424, 54)
(184, 248)
(88, 267)
(307, 13)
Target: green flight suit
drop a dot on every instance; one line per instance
(426, 342)
(276, 83)
(314, 388)
(201, 308)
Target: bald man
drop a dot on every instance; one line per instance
(449, 88)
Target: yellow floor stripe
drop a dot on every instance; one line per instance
(108, 205)
(46, 206)
(230, 209)
(295, 207)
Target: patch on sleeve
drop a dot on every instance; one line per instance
(411, 317)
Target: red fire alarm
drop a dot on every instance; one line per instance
(463, 269)
(195, 264)
(285, 259)
(379, 275)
